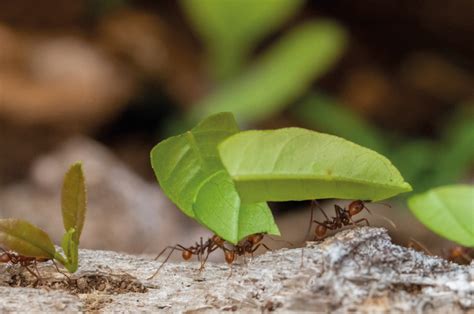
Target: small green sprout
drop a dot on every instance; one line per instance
(28, 240)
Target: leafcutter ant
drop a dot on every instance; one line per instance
(24, 261)
(204, 248)
(247, 246)
(343, 218)
(460, 255)
(200, 249)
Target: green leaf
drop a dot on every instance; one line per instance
(74, 200)
(218, 207)
(282, 75)
(232, 28)
(181, 163)
(71, 250)
(447, 211)
(25, 238)
(299, 164)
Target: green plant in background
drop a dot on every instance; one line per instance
(447, 211)
(28, 240)
(223, 178)
(231, 29)
(279, 77)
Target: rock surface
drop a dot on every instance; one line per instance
(357, 269)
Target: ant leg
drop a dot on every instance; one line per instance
(173, 248)
(310, 219)
(258, 245)
(360, 220)
(322, 210)
(176, 247)
(61, 272)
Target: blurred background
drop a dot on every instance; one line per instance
(103, 81)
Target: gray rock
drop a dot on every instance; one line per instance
(356, 270)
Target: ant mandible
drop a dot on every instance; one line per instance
(343, 218)
(24, 261)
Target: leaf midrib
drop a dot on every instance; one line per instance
(299, 177)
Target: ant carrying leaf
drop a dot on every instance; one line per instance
(203, 249)
(27, 244)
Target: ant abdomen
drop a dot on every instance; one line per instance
(356, 207)
(187, 255)
(320, 231)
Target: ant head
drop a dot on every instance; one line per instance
(217, 240)
(320, 231)
(229, 256)
(4, 257)
(456, 252)
(255, 238)
(356, 207)
(187, 255)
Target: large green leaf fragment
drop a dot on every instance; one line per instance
(73, 200)
(448, 211)
(281, 75)
(181, 163)
(25, 238)
(219, 208)
(299, 164)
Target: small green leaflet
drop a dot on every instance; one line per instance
(299, 164)
(73, 200)
(218, 206)
(189, 162)
(447, 211)
(25, 239)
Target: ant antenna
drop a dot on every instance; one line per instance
(313, 202)
(424, 248)
(280, 240)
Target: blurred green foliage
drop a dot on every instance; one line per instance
(231, 29)
(279, 77)
(323, 111)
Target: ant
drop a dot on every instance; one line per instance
(460, 255)
(247, 246)
(203, 249)
(343, 218)
(24, 261)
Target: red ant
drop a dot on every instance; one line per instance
(203, 249)
(343, 218)
(24, 261)
(460, 255)
(247, 246)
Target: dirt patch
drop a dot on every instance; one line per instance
(86, 282)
